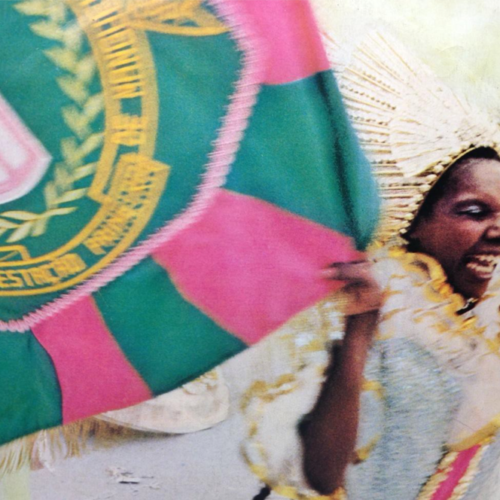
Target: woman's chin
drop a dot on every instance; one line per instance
(472, 287)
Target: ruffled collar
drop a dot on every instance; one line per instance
(421, 306)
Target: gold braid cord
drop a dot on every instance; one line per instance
(445, 468)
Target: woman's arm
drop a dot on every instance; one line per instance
(329, 435)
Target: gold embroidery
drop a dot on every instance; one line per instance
(77, 73)
(126, 185)
(50, 274)
(129, 130)
(126, 182)
(176, 17)
(14, 252)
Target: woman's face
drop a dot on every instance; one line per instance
(462, 231)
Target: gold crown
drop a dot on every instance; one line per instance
(410, 125)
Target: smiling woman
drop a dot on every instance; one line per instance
(459, 224)
(392, 388)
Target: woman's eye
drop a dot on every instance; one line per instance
(473, 211)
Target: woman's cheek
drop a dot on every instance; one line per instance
(470, 231)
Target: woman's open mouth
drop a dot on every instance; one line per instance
(482, 265)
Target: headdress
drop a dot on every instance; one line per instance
(411, 126)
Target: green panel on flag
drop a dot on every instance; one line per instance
(173, 177)
(103, 136)
(287, 134)
(168, 340)
(30, 393)
(190, 114)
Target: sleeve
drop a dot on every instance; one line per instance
(274, 409)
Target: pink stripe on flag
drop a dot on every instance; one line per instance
(250, 265)
(458, 469)
(290, 38)
(93, 373)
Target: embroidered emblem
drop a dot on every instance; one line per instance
(108, 181)
(23, 160)
(180, 17)
(101, 182)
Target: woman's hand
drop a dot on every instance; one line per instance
(329, 437)
(363, 292)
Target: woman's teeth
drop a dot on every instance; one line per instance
(483, 264)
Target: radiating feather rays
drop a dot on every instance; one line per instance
(411, 126)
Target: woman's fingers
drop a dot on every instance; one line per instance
(360, 285)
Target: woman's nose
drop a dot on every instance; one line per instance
(493, 231)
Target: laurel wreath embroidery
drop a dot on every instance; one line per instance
(79, 69)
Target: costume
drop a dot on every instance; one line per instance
(428, 416)
(428, 383)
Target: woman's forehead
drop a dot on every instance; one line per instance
(474, 176)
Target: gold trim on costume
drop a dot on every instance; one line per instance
(373, 386)
(362, 454)
(444, 469)
(486, 432)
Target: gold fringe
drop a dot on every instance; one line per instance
(66, 441)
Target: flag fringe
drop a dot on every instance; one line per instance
(72, 440)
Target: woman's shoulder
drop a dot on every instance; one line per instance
(396, 263)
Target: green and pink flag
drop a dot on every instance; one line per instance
(174, 174)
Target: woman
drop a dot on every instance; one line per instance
(408, 408)
(460, 228)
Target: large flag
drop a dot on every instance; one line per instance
(174, 174)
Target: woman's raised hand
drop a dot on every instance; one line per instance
(363, 292)
(329, 438)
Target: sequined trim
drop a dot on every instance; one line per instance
(444, 471)
(439, 314)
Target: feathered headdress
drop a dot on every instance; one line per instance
(411, 125)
